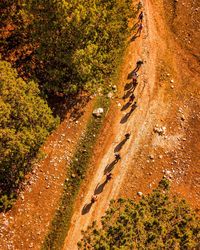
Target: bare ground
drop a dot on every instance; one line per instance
(27, 223)
(167, 96)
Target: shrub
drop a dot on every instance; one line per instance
(25, 122)
(158, 221)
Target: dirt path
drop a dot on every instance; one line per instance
(144, 47)
(168, 96)
(27, 223)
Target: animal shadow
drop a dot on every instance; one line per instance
(128, 85)
(109, 167)
(86, 208)
(99, 188)
(125, 118)
(130, 75)
(120, 145)
(126, 106)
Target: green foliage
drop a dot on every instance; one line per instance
(25, 122)
(66, 45)
(158, 221)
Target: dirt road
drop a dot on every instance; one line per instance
(146, 47)
(168, 97)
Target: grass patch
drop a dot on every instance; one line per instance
(76, 173)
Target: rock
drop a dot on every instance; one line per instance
(172, 81)
(172, 86)
(159, 130)
(167, 174)
(182, 117)
(139, 193)
(151, 157)
(114, 87)
(119, 105)
(30, 245)
(98, 112)
(110, 95)
(73, 175)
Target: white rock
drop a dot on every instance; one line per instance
(98, 112)
(110, 95)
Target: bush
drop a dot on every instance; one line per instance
(25, 122)
(66, 45)
(158, 221)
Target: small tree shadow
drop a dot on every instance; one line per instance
(72, 104)
(110, 167)
(120, 145)
(86, 208)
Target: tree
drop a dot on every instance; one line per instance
(66, 45)
(25, 122)
(158, 221)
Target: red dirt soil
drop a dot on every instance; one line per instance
(168, 96)
(27, 223)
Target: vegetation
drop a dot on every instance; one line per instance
(25, 121)
(158, 221)
(76, 173)
(66, 45)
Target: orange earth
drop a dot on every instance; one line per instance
(164, 131)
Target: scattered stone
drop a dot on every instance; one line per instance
(182, 117)
(172, 86)
(30, 245)
(167, 174)
(73, 175)
(114, 87)
(172, 81)
(110, 95)
(160, 156)
(151, 157)
(159, 130)
(139, 193)
(98, 112)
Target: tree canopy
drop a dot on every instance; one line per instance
(66, 45)
(158, 221)
(25, 121)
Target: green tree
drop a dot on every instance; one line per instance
(158, 221)
(25, 122)
(67, 45)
